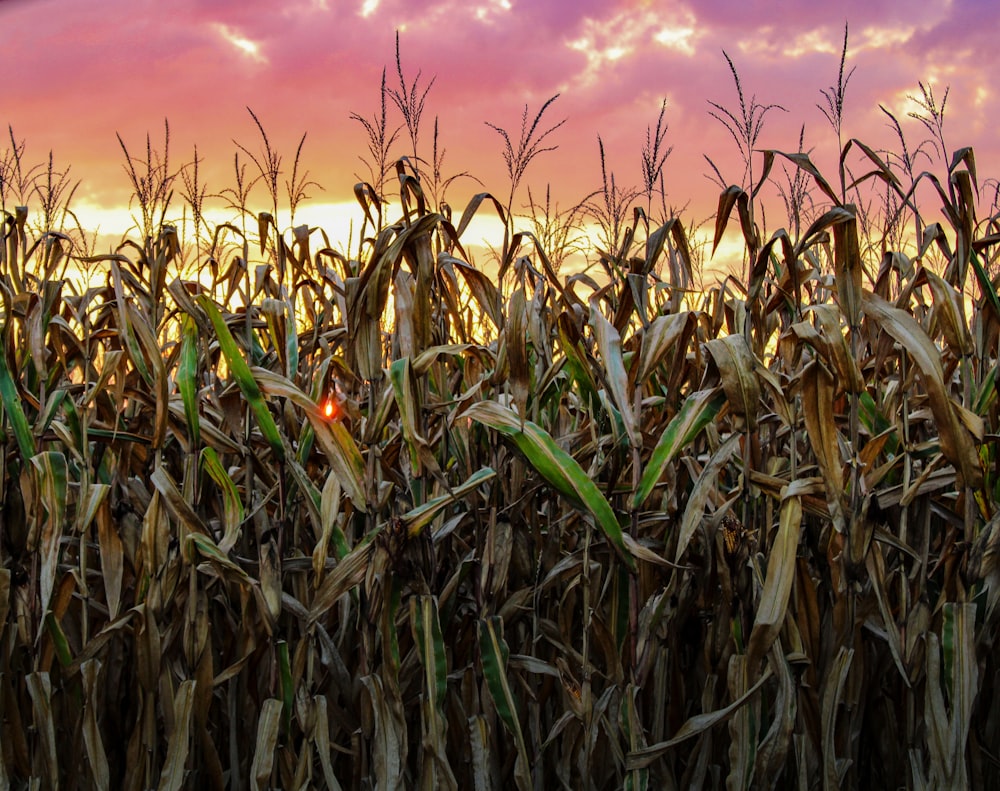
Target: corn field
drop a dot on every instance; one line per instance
(279, 516)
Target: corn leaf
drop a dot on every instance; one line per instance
(15, 412)
(556, 466)
(173, 775)
(495, 654)
(956, 442)
(244, 378)
(698, 411)
(416, 519)
(737, 367)
(51, 469)
(187, 377)
(609, 343)
(96, 757)
(264, 746)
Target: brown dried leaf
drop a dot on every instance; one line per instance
(97, 758)
(40, 689)
(609, 343)
(692, 727)
(320, 737)
(265, 744)
(832, 694)
(658, 340)
(173, 775)
(956, 443)
(348, 573)
(781, 566)
(737, 367)
(389, 742)
(112, 560)
(821, 426)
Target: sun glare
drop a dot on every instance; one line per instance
(340, 221)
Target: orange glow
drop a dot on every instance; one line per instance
(581, 51)
(330, 407)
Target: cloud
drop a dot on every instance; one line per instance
(243, 45)
(626, 32)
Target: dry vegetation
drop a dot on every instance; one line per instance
(278, 516)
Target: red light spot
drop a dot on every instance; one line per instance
(330, 407)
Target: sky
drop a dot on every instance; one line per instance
(78, 74)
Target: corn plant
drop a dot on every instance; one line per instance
(381, 523)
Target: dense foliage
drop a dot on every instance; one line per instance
(275, 515)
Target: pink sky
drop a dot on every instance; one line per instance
(77, 73)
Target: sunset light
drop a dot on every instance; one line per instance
(610, 62)
(499, 394)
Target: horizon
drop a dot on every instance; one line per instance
(599, 64)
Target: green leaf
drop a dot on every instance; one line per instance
(609, 343)
(576, 361)
(287, 687)
(232, 504)
(416, 519)
(291, 341)
(244, 378)
(408, 405)
(495, 654)
(557, 467)
(15, 413)
(187, 377)
(430, 647)
(698, 411)
(55, 630)
(985, 284)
